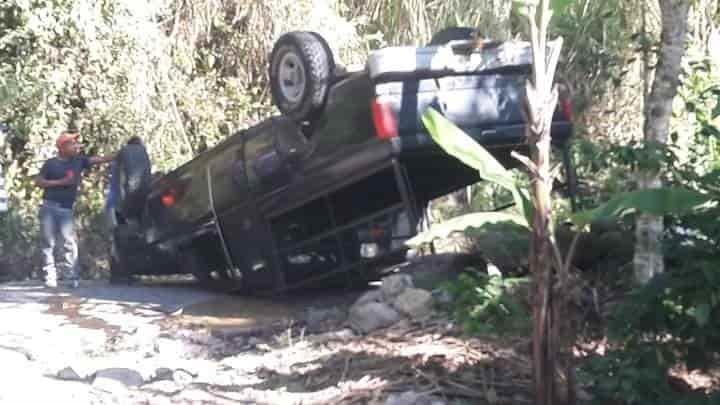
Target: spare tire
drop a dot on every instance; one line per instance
(327, 49)
(301, 66)
(134, 177)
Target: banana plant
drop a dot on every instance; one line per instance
(454, 141)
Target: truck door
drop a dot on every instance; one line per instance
(245, 231)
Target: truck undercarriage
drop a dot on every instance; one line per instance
(285, 205)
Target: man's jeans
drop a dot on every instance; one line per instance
(57, 229)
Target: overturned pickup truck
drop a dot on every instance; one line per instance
(330, 189)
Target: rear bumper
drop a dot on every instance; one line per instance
(502, 137)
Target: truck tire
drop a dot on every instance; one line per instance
(118, 272)
(301, 66)
(134, 172)
(452, 34)
(190, 263)
(326, 47)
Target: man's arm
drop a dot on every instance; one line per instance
(94, 160)
(42, 182)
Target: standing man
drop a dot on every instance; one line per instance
(60, 177)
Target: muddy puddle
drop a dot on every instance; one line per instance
(69, 307)
(234, 312)
(239, 311)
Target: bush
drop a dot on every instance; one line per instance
(488, 303)
(669, 322)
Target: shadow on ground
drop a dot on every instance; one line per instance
(360, 376)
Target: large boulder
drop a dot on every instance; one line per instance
(370, 296)
(369, 316)
(414, 302)
(394, 285)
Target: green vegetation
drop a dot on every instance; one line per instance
(490, 303)
(184, 75)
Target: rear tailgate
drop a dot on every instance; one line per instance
(481, 91)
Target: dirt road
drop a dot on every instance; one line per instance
(178, 343)
(146, 343)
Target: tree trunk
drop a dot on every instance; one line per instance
(648, 259)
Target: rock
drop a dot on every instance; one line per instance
(182, 377)
(415, 303)
(163, 373)
(370, 296)
(432, 271)
(127, 377)
(69, 374)
(342, 335)
(239, 341)
(372, 316)
(264, 347)
(413, 398)
(398, 330)
(218, 349)
(394, 285)
(232, 333)
(442, 296)
(315, 317)
(214, 342)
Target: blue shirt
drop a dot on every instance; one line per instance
(56, 169)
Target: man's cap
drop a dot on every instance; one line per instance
(65, 137)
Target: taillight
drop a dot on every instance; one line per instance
(567, 108)
(168, 198)
(384, 118)
(377, 233)
(564, 97)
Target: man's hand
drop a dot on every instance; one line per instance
(69, 178)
